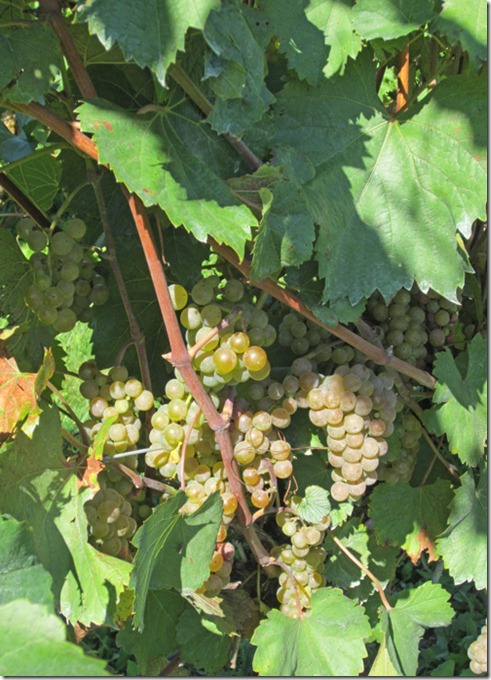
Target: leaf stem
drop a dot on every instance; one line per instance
(402, 79)
(373, 578)
(24, 201)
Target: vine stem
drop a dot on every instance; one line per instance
(23, 201)
(372, 578)
(135, 330)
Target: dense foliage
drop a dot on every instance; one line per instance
(243, 337)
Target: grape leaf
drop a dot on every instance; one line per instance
(38, 178)
(460, 400)
(328, 642)
(299, 39)
(162, 612)
(390, 19)
(14, 269)
(33, 644)
(30, 57)
(383, 667)
(174, 550)
(411, 518)
(22, 575)
(169, 159)
(385, 189)
(465, 21)
(235, 67)
(13, 147)
(37, 486)
(334, 18)
(315, 505)
(198, 646)
(424, 607)
(19, 394)
(463, 546)
(150, 33)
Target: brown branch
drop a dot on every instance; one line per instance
(402, 79)
(377, 354)
(23, 201)
(50, 10)
(135, 330)
(372, 578)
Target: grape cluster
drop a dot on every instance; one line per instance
(415, 324)
(302, 560)
(220, 569)
(478, 652)
(110, 521)
(302, 335)
(65, 284)
(261, 453)
(118, 395)
(404, 444)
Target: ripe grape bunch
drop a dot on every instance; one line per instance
(399, 463)
(302, 560)
(478, 652)
(66, 284)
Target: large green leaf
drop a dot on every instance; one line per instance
(33, 644)
(15, 274)
(328, 642)
(334, 18)
(22, 575)
(460, 400)
(38, 178)
(38, 487)
(30, 58)
(389, 196)
(169, 158)
(198, 646)
(13, 147)
(383, 667)
(151, 33)
(389, 19)
(414, 611)
(162, 612)
(465, 21)
(235, 67)
(463, 546)
(174, 550)
(411, 518)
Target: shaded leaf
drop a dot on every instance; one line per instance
(27, 626)
(169, 159)
(463, 546)
(329, 642)
(334, 18)
(162, 612)
(198, 646)
(411, 518)
(460, 400)
(174, 550)
(38, 178)
(465, 21)
(150, 33)
(390, 19)
(13, 147)
(23, 577)
(415, 610)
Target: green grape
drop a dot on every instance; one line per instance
(255, 358)
(70, 271)
(61, 243)
(191, 318)
(234, 290)
(178, 296)
(133, 388)
(239, 342)
(211, 315)
(144, 401)
(37, 241)
(99, 295)
(118, 373)
(65, 320)
(76, 228)
(42, 281)
(283, 469)
(82, 288)
(24, 227)
(202, 292)
(47, 315)
(34, 297)
(177, 409)
(173, 433)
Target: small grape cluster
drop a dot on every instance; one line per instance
(415, 324)
(404, 444)
(302, 560)
(262, 455)
(66, 284)
(302, 335)
(114, 394)
(220, 569)
(478, 652)
(110, 521)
